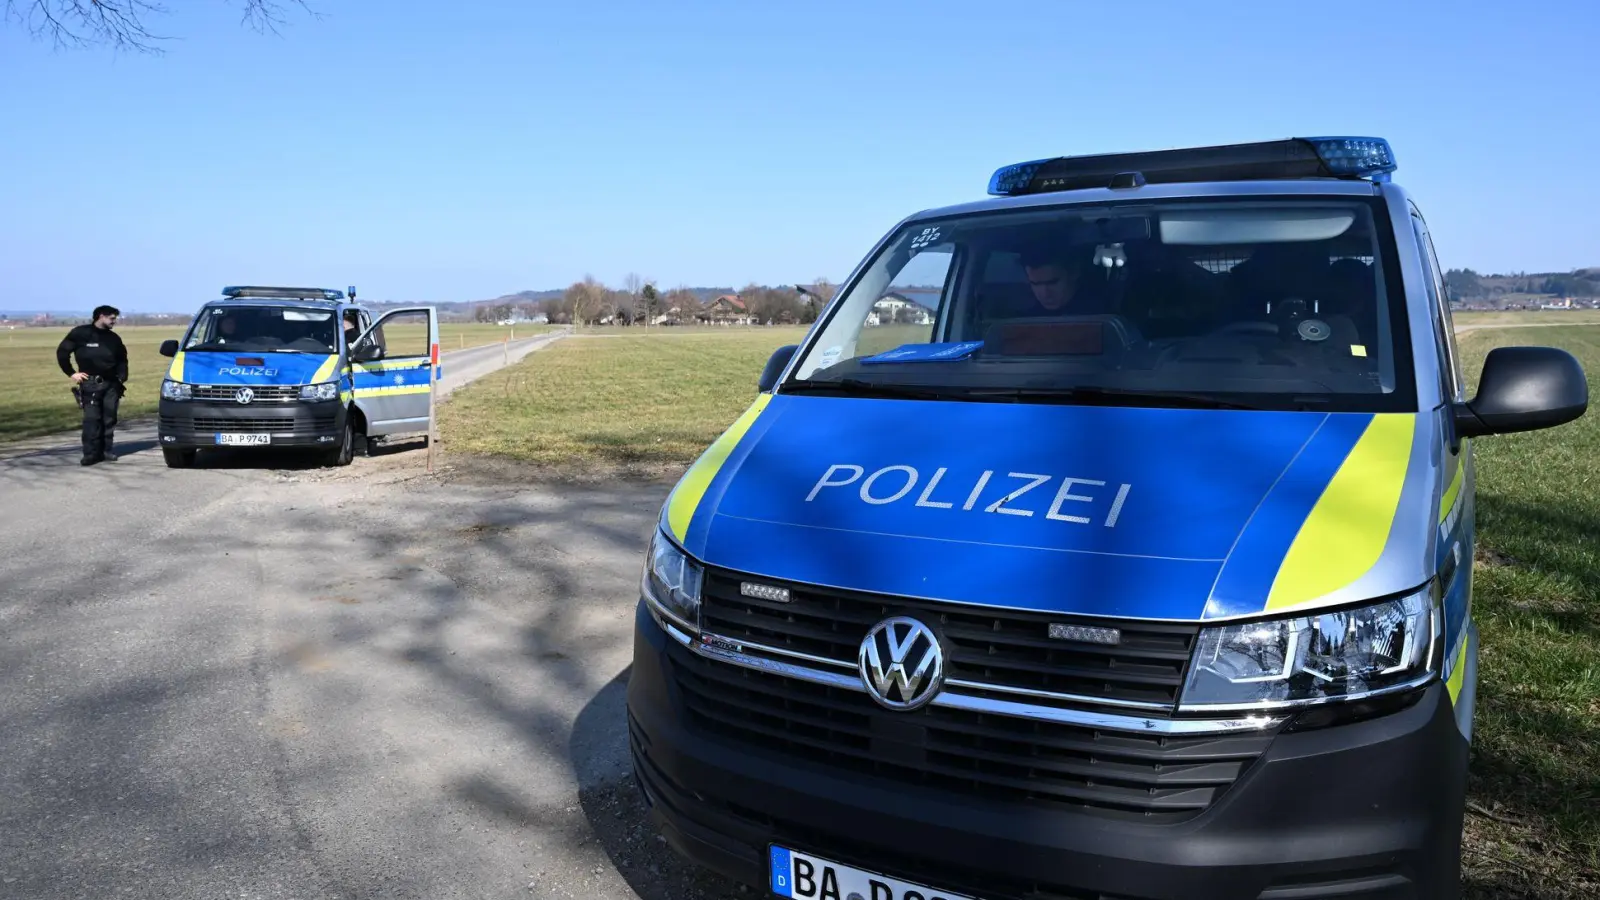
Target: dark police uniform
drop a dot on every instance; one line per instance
(103, 357)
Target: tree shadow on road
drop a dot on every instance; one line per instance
(617, 813)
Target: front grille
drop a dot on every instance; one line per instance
(997, 649)
(964, 753)
(756, 826)
(267, 393)
(217, 423)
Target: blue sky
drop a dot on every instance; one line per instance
(436, 152)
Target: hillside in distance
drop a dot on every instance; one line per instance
(1467, 286)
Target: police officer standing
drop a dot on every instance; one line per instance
(100, 381)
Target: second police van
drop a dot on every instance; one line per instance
(1108, 538)
(296, 368)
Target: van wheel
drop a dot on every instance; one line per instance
(179, 459)
(346, 450)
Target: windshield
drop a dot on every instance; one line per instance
(1281, 304)
(265, 329)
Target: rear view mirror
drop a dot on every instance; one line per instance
(775, 365)
(1524, 389)
(169, 348)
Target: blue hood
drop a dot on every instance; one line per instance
(211, 367)
(1148, 513)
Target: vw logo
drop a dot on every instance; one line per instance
(244, 395)
(901, 663)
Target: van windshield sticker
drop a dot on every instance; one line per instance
(925, 238)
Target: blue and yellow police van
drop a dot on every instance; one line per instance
(1109, 537)
(297, 368)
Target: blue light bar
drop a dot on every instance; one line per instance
(1355, 155)
(282, 293)
(1013, 178)
(1317, 157)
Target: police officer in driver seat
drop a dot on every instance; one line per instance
(100, 380)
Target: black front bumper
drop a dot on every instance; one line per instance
(1369, 810)
(190, 424)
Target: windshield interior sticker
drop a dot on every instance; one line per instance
(831, 355)
(926, 353)
(925, 238)
(1358, 350)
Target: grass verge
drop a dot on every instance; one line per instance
(1534, 827)
(616, 404)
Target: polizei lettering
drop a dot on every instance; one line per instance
(254, 371)
(1060, 498)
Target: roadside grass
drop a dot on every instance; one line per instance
(595, 405)
(1479, 318)
(36, 400)
(1534, 830)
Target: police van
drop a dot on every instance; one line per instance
(297, 368)
(1109, 537)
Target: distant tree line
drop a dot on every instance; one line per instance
(1466, 285)
(641, 302)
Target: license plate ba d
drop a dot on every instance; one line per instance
(802, 876)
(243, 440)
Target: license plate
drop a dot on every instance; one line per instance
(243, 440)
(806, 877)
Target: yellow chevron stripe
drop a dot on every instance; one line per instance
(175, 371)
(1346, 531)
(691, 489)
(325, 371)
(1453, 492)
(1458, 672)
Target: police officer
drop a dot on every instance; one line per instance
(100, 380)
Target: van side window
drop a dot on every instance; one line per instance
(1450, 377)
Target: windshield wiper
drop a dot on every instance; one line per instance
(1067, 395)
(857, 387)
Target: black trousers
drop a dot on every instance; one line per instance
(100, 401)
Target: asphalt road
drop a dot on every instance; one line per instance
(258, 680)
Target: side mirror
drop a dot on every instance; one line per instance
(366, 353)
(169, 348)
(775, 364)
(1524, 389)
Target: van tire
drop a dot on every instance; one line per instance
(346, 451)
(179, 459)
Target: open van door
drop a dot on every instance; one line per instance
(394, 365)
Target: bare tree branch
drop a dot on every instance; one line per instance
(121, 23)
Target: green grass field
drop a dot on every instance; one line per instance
(1478, 318)
(607, 406)
(618, 400)
(1536, 753)
(35, 398)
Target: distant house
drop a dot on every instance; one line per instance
(904, 307)
(727, 309)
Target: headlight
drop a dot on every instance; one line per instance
(671, 584)
(1314, 659)
(176, 390)
(326, 391)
